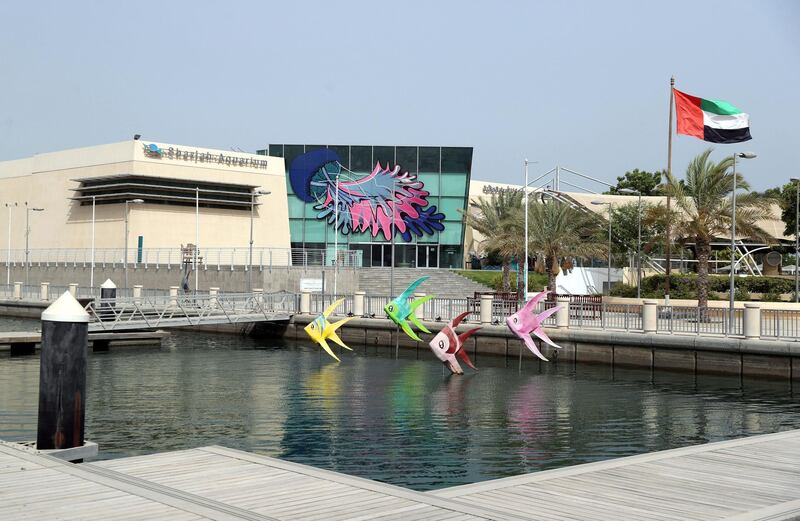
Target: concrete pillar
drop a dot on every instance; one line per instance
(752, 320)
(18, 290)
(562, 315)
(44, 291)
(62, 375)
(137, 294)
(358, 303)
(419, 312)
(173, 295)
(650, 315)
(73, 289)
(486, 308)
(305, 303)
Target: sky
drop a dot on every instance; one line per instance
(583, 85)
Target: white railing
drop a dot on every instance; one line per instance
(233, 259)
(779, 323)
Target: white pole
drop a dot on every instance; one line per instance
(336, 236)
(250, 256)
(125, 250)
(91, 272)
(639, 252)
(733, 249)
(8, 252)
(196, 233)
(525, 297)
(392, 228)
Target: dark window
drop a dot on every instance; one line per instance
(343, 151)
(456, 159)
(309, 148)
(275, 150)
(361, 159)
(429, 159)
(407, 158)
(384, 155)
(265, 152)
(290, 152)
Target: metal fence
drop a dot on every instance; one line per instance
(208, 258)
(780, 324)
(691, 319)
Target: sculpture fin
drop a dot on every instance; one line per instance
(408, 331)
(333, 336)
(544, 338)
(466, 334)
(462, 354)
(531, 345)
(456, 321)
(330, 308)
(413, 318)
(327, 348)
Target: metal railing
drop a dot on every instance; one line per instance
(188, 310)
(779, 323)
(208, 258)
(691, 319)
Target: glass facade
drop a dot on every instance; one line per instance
(432, 238)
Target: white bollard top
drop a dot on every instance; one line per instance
(65, 309)
(108, 284)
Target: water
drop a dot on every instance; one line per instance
(399, 421)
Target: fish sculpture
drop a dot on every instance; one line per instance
(525, 322)
(320, 330)
(400, 310)
(447, 345)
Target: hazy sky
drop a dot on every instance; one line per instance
(579, 84)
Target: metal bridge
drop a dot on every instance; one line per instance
(158, 312)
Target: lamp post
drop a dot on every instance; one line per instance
(8, 251)
(253, 195)
(796, 182)
(638, 240)
(525, 196)
(742, 155)
(608, 277)
(336, 236)
(91, 271)
(27, 236)
(125, 254)
(196, 234)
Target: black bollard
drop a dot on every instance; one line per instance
(62, 375)
(108, 294)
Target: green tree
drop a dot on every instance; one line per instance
(488, 217)
(625, 227)
(648, 183)
(704, 207)
(558, 233)
(787, 197)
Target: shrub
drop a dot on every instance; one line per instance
(771, 296)
(741, 294)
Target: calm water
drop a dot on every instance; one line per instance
(399, 421)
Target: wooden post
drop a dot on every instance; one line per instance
(62, 375)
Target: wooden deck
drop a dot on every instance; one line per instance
(33, 339)
(749, 478)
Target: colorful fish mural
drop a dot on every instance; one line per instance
(384, 201)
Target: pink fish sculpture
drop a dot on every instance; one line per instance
(525, 322)
(447, 345)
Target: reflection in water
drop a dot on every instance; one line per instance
(400, 421)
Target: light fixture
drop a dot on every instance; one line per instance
(136, 137)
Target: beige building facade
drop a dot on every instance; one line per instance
(168, 178)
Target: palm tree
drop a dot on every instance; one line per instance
(704, 211)
(489, 217)
(558, 233)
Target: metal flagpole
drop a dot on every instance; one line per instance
(733, 251)
(8, 253)
(669, 174)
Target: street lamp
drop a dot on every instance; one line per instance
(127, 202)
(27, 235)
(91, 271)
(796, 182)
(336, 236)
(253, 195)
(742, 155)
(609, 241)
(638, 241)
(525, 260)
(8, 251)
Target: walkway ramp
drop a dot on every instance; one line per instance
(748, 478)
(159, 312)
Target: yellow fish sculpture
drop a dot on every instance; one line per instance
(320, 330)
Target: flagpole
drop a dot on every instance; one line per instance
(669, 174)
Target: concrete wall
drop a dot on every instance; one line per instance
(278, 279)
(777, 360)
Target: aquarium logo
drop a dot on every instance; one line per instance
(153, 150)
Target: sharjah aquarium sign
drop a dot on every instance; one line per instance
(154, 151)
(491, 189)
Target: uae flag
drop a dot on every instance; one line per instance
(716, 121)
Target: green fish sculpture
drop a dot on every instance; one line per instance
(400, 310)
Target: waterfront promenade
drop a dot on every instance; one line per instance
(749, 478)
